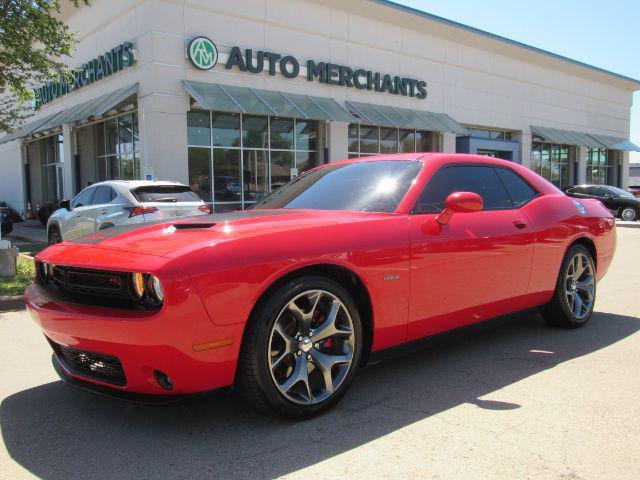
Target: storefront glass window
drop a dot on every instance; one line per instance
(111, 135)
(370, 140)
(125, 135)
(250, 155)
(198, 131)
(407, 141)
(282, 133)
(226, 129)
(255, 174)
(227, 175)
(52, 157)
(306, 135)
(489, 133)
(354, 146)
(116, 147)
(552, 161)
(388, 140)
(200, 172)
(255, 131)
(600, 166)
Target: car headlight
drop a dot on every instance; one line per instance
(46, 271)
(138, 285)
(155, 289)
(145, 286)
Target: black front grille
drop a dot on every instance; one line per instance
(96, 366)
(92, 281)
(87, 286)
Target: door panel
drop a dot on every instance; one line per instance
(75, 225)
(474, 268)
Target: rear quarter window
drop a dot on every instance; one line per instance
(519, 190)
(165, 193)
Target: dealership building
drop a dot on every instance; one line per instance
(236, 97)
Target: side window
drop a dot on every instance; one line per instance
(596, 191)
(482, 180)
(83, 198)
(519, 190)
(102, 196)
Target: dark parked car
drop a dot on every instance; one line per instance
(5, 221)
(622, 204)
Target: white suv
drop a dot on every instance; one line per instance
(122, 202)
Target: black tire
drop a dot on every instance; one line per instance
(631, 213)
(559, 313)
(54, 236)
(254, 376)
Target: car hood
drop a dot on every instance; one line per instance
(175, 237)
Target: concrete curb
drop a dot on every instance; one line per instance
(11, 303)
(20, 238)
(628, 224)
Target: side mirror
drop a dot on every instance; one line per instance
(65, 204)
(459, 202)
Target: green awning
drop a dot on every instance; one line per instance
(616, 143)
(388, 116)
(566, 137)
(26, 129)
(593, 140)
(83, 111)
(228, 98)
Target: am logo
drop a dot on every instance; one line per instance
(203, 53)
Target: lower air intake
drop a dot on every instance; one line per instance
(91, 365)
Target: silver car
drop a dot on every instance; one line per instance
(121, 202)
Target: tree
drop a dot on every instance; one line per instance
(32, 42)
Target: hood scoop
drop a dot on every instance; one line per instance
(192, 226)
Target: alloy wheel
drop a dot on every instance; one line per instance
(628, 214)
(580, 286)
(311, 347)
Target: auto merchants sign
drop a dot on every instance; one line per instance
(116, 59)
(203, 54)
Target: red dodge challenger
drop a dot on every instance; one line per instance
(288, 299)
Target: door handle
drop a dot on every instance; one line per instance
(103, 212)
(519, 223)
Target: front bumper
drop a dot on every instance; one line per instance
(144, 342)
(125, 395)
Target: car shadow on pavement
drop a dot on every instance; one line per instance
(56, 432)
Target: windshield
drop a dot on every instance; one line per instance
(165, 193)
(618, 192)
(376, 186)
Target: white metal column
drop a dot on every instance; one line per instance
(68, 168)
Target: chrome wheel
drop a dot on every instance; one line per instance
(628, 214)
(580, 286)
(311, 347)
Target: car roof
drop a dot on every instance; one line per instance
(427, 158)
(136, 183)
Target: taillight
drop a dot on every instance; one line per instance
(206, 208)
(135, 211)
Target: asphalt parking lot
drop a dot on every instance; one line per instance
(521, 400)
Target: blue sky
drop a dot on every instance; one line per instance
(604, 34)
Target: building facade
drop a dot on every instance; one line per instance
(235, 98)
